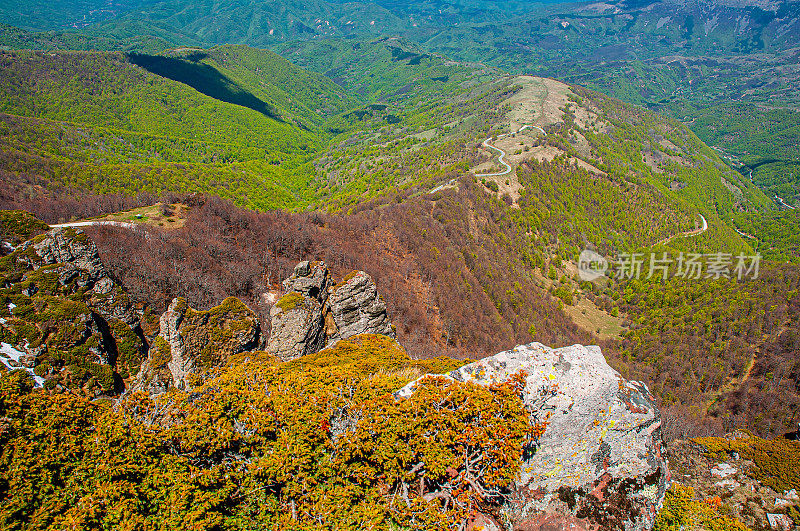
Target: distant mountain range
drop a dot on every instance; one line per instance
(697, 25)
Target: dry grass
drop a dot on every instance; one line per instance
(539, 102)
(594, 320)
(151, 215)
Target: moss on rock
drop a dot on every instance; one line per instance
(290, 301)
(160, 353)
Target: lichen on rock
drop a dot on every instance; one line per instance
(192, 341)
(18, 226)
(599, 462)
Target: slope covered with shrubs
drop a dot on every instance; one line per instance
(319, 443)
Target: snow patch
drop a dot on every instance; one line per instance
(14, 354)
(723, 470)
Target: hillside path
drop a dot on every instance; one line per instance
(695, 232)
(91, 223)
(486, 143)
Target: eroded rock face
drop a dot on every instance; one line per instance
(599, 463)
(357, 308)
(191, 341)
(315, 313)
(71, 324)
(298, 326)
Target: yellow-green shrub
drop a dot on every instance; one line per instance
(777, 461)
(681, 512)
(319, 443)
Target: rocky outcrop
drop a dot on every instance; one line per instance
(75, 250)
(191, 341)
(79, 266)
(73, 326)
(298, 326)
(599, 463)
(314, 313)
(310, 279)
(357, 308)
(733, 477)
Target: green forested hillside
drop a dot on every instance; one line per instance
(235, 121)
(776, 235)
(19, 39)
(249, 22)
(301, 94)
(687, 60)
(761, 139)
(105, 89)
(385, 69)
(99, 121)
(245, 124)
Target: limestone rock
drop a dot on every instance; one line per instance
(357, 308)
(314, 313)
(298, 326)
(310, 279)
(599, 462)
(82, 330)
(191, 341)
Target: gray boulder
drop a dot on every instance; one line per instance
(314, 312)
(599, 463)
(166, 365)
(298, 327)
(357, 308)
(310, 279)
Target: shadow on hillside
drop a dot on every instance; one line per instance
(204, 79)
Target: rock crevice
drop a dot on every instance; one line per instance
(315, 313)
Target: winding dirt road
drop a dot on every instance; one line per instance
(784, 203)
(687, 233)
(486, 143)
